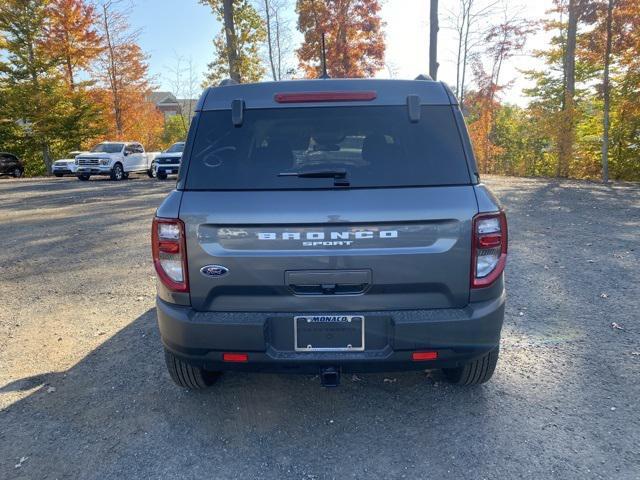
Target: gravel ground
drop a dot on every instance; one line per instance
(84, 392)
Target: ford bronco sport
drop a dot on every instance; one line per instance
(329, 226)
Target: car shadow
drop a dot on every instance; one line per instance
(116, 414)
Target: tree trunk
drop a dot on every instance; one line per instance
(113, 74)
(270, 40)
(46, 155)
(465, 52)
(433, 40)
(278, 46)
(230, 34)
(565, 151)
(606, 91)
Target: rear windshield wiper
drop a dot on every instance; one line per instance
(338, 174)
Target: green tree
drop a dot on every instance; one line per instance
(238, 44)
(175, 130)
(46, 118)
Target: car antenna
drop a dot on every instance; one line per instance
(324, 60)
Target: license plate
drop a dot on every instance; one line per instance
(328, 333)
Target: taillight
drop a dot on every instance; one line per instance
(169, 253)
(489, 248)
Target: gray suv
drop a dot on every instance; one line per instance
(329, 226)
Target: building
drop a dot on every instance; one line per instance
(169, 105)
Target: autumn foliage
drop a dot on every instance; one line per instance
(353, 35)
(72, 36)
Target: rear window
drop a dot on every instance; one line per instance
(374, 146)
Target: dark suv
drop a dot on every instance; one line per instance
(11, 165)
(328, 226)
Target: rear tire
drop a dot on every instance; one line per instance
(17, 173)
(476, 372)
(188, 376)
(58, 175)
(117, 172)
(125, 175)
(162, 176)
(84, 177)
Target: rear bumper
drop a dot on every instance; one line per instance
(458, 335)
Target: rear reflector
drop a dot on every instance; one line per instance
(422, 356)
(235, 357)
(307, 97)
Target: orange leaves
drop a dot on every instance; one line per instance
(71, 35)
(353, 34)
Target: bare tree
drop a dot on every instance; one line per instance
(465, 20)
(184, 83)
(279, 45)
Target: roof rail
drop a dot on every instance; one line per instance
(423, 76)
(228, 81)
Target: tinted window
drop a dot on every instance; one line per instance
(107, 148)
(377, 146)
(175, 148)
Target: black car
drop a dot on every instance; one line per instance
(10, 165)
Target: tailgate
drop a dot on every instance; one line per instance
(330, 250)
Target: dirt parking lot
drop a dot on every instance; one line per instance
(84, 392)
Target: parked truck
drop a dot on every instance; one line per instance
(66, 166)
(115, 159)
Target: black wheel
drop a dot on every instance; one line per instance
(162, 175)
(475, 372)
(117, 173)
(153, 170)
(84, 177)
(58, 174)
(188, 376)
(17, 173)
(125, 175)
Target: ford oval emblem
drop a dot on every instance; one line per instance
(214, 270)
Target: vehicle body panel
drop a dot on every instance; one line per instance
(425, 265)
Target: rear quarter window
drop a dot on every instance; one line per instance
(377, 146)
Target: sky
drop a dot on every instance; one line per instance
(184, 28)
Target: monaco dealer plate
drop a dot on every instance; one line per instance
(328, 333)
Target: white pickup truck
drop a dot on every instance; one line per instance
(116, 159)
